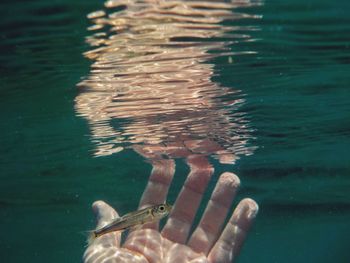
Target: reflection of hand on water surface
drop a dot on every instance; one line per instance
(212, 241)
(151, 81)
(184, 149)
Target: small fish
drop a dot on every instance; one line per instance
(139, 217)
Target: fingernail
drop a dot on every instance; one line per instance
(252, 208)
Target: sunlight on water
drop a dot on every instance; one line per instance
(150, 85)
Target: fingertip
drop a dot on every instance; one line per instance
(251, 207)
(226, 188)
(98, 204)
(103, 212)
(244, 214)
(99, 207)
(230, 179)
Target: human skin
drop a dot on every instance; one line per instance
(211, 241)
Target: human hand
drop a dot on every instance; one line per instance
(210, 242)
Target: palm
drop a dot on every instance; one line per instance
(156, 248)
(210, 242)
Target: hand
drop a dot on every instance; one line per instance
(210, 242)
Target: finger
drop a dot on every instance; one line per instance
(180, 220)
(104, 215)
(157, 187)
(214, 216)
(158, 184)
(227, 248)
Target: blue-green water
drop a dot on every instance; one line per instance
(296, 95)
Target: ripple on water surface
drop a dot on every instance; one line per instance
(150, 85)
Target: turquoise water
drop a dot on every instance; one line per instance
(295, 94)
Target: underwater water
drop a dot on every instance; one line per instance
(285, 64)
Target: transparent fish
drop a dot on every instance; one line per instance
(133, 219)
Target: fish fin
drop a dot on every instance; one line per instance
(90, 236)
(135, 228)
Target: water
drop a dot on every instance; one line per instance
(293, 86)
(163, 60)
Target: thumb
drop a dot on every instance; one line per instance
(104, 213)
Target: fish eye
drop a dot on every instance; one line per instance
(161, 208)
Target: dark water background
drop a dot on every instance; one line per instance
(297, 99)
